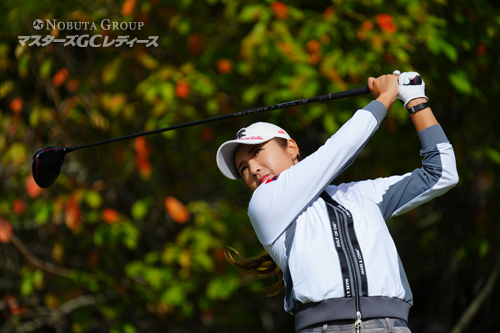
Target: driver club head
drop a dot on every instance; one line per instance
(47, 164)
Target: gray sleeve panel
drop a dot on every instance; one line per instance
(377, 109)
(431, 136)
(289, 237)
(405, 283)
(420, 180)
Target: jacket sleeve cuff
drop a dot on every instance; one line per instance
(377, 109)
(431, 136)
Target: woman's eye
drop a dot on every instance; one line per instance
(257, 151)
(242, 170)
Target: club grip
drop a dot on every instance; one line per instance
(349, 93)
(416, 81)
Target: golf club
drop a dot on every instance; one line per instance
(47, 162)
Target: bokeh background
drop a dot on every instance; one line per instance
(130, 238)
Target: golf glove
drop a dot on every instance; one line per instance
(409, 87)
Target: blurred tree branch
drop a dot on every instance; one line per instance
(64, 309)
(46, 266)
(476, 304)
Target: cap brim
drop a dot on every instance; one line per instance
(226, 152)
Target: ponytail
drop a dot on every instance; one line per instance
(263, 266)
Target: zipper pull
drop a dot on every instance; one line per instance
(357, 323)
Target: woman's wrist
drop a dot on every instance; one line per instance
(416, 101)
(387, 99)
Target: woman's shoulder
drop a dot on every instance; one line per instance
(347, 187)
(360, 187)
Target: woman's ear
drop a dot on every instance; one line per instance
(292, 148)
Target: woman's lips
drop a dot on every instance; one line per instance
(263, 179)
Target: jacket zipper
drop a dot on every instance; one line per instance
(343, 226)
(346, 238)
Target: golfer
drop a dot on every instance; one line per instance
(340, 267)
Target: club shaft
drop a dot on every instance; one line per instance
(328, 97)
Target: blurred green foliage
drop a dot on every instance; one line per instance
(131, 236)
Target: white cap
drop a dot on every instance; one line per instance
(251, 135)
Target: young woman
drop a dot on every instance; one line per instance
(339, 263)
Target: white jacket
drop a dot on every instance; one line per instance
(341, 261)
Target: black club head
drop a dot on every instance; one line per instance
(47, 164)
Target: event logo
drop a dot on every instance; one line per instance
(84, 40)
(38, 24)
(105, 24)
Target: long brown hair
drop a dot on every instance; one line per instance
(263, 266)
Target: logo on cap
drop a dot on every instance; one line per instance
(282, 132)
(240, 134)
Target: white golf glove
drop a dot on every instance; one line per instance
(409, 88)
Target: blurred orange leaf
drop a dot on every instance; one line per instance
(182, 89)
(5, 230)
(164, 308)
(386, 23)
(367, 25)
(142, 156)
(328, 14)
(218, 254)
(16, 105)
(195, 42)
(60, 77)
(72, 85)
(313, 46)
(128, 7)
(73, 218)
(287, 48)
(18, 206)
(280, 10)
(11, 304)
(177, 210)
(481, 49)
(224, 65)
(361, 35)
(141, 147)
(32, 188)
(117, 101)
(314, 49)
(110, 216)
(144, 165)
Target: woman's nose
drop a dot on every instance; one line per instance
(254, 168)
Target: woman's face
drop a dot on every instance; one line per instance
(258, 163)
